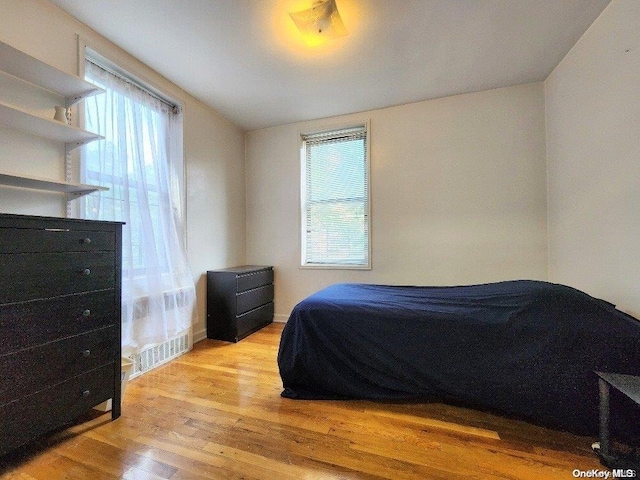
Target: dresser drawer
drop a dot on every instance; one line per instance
(27, 324)
(253, 280)
(43, 275)
(27, 240)
(29, 417)
(253, 299)
(33, 369)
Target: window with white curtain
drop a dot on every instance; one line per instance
(335, 199)
(140, 161)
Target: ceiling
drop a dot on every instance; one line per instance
(246, 60)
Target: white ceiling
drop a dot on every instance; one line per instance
(245, 59)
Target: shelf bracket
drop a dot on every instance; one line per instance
(75, 195)
(70, 101)
(70, 146)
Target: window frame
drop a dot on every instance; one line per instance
(304, 264)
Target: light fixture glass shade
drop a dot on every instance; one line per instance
(319, 22)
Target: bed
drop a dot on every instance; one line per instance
(521, 348)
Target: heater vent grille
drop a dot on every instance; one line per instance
(159, 354)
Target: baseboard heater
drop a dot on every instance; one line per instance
(160, 354)
(157, 355)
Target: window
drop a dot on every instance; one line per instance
(335, 199)
(133, 162)
(140, 160)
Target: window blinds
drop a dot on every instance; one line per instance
(335, 224)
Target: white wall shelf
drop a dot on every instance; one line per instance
(73, 190)
(38, 75)
(73, 137)
(32, 70)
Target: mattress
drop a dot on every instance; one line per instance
(521, 348)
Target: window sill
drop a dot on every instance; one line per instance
(330, 266)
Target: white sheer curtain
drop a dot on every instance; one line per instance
(140, 162)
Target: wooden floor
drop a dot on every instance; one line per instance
(217, 413)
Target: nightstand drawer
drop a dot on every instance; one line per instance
(253, 320)
(29, 240)
(28, 324)
(33, 369)
(29, 417)
(45, 275)
(254, 298)
(253, 280)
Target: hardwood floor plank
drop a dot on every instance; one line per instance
(113, 460)
(288, 445)
(216, 413)
(438, 424)
(63, 467)
(223, 460)
(20, 476)
(186, 467)
(280, 443)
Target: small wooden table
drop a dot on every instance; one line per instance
(629, 385)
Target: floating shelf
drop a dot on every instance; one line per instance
(73, 190)
(40, 75)
(32, 70)
(73, 137)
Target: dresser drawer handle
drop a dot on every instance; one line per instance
(86, 393)
(86, 353)
(86, 240)
(86, 272)
(86, 313)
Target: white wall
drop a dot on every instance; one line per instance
(458, 184)
(593, 147)
(458, 194)
(213, 147)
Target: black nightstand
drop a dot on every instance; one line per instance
(239, 301)
(628, 385)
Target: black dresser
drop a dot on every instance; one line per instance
(239, 301)
(59, 322)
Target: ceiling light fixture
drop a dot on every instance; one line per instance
(320, 22)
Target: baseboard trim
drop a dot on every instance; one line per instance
(202, 333)
(280, 318)
(199, 335)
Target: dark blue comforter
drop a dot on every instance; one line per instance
(523, 348)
